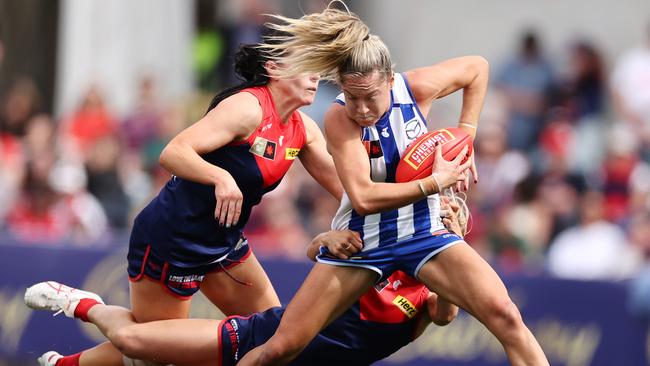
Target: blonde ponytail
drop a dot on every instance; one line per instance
(333, 44)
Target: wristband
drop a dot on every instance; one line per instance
(424, 192)
(467, 124)
(438, 186)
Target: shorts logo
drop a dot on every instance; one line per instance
(189, 281)
(426, 148)
(374, 149)
(264, 148)
(405, 306)
(233, 335)
(291, 153)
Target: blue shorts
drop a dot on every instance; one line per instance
(408, 256)
(182, 282)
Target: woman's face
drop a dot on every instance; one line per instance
(301, 88)
(367, 97)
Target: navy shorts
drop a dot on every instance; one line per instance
(182, 282)
(238, 335)
(408, 256)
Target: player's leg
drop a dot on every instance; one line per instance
(241, 289)
(327, 292)
(186, 341)
(462, 276)
(150, 301)
(176, 341)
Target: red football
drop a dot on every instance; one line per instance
(418, 158)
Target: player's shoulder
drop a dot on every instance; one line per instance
(241, 107)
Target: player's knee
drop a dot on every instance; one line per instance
(444, 319)
(128, 342)
(283, 348)
(502, 314)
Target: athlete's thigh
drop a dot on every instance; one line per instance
(325, 294)
(150, 301)
(243, 290)
(178, 341)
(462, 276)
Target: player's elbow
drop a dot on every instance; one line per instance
(129, 341)
(479, 66)
(166, 156)
(363, 207)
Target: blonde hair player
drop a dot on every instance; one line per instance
(378, 113)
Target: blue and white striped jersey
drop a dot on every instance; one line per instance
(385, 143)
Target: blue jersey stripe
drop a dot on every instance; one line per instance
(388, 227)
(415, 104)
(407, 112)
(356, 222)
(421, 216)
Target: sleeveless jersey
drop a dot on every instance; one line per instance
(179, 223)
(380, 323)
(385, 143)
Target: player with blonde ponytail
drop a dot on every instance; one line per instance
(372, 122)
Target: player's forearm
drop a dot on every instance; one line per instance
(380, 197)
(474, 95)
(181, 160)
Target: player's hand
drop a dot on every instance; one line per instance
(449, 212)
(472, 173)
(229, 200)
(341, 243)
(449, 173)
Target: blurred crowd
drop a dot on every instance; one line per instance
(563, 154)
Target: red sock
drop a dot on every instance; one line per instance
(72, 360)
(81, 312)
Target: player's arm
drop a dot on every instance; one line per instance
(341, 243)
(470, 73)
(318, 162)
(235, 118)
(353, 167)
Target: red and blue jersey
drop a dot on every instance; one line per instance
(380, 323)
(179, 223)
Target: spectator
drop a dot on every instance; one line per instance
(526, 80)
(90, 122)
(142, 126)
(585, 84)
(630, 82)
(21, 103)
(104, 180)
(595, 249)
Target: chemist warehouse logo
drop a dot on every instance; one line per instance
(405, 306)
